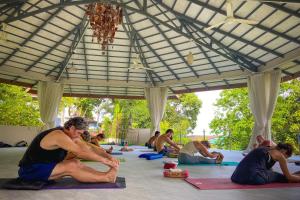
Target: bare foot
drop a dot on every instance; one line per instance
(112, 175)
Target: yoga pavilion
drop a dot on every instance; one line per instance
(153, 50)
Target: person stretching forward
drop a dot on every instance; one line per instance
(44, 158)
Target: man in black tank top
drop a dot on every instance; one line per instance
(45, 157)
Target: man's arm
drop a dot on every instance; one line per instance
(204, 151)
(79, 148)
(283, 165)
(100, 151)
(173, 144)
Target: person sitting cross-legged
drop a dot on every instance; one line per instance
(45, 157)
(187, 154)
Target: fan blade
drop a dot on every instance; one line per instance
(229, 10)
(244, 21)
(215, 25)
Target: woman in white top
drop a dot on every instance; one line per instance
(187, 154)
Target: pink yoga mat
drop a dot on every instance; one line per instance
(226, 184)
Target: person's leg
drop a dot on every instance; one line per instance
(297, 173)
(82, 173)
(275, 177)
(184, 158)
(188, 159)
(256, 179)
(265, 177)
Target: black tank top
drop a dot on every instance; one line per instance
(36, 154)
(257, 161)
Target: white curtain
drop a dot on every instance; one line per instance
(156, 99)
(49, 96)
(263, 91)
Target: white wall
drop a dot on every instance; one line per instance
(13, 134)
(138, 136)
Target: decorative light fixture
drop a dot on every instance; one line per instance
(190, 56)
(104, 20)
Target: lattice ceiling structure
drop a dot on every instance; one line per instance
(51, 40)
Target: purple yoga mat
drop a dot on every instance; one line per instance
(70, 183)
(61, 184)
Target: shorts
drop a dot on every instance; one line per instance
(36, 172)
(164, 151)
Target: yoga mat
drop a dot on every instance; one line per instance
(64, 184)
(207, 164)
(149, 151)
(226, 184)
(145, 155)
(116, 153)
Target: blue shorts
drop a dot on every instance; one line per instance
(164, 151)
(36, 172)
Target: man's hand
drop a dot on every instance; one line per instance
(218, 155)
(112, 163)
(114, 160)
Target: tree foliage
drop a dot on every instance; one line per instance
(17, 107)
(233, 120)
(181, 115)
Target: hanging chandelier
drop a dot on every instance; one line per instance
(104, 20)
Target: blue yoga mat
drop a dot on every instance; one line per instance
(207, 164)
(151, 156)
(145, 155)
(116, 153)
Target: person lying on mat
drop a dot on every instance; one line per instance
(44, 158)
(151, 142)
(98, 138)
(97, 149)
(187, 154)
(255, 168)
(165, 138)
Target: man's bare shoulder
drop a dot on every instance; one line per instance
(57, 134)
(51, 140)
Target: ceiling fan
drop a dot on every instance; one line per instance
(137, 65)
(230, 18)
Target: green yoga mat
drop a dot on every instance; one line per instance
(206, 164)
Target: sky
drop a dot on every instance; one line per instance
(207, 111)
